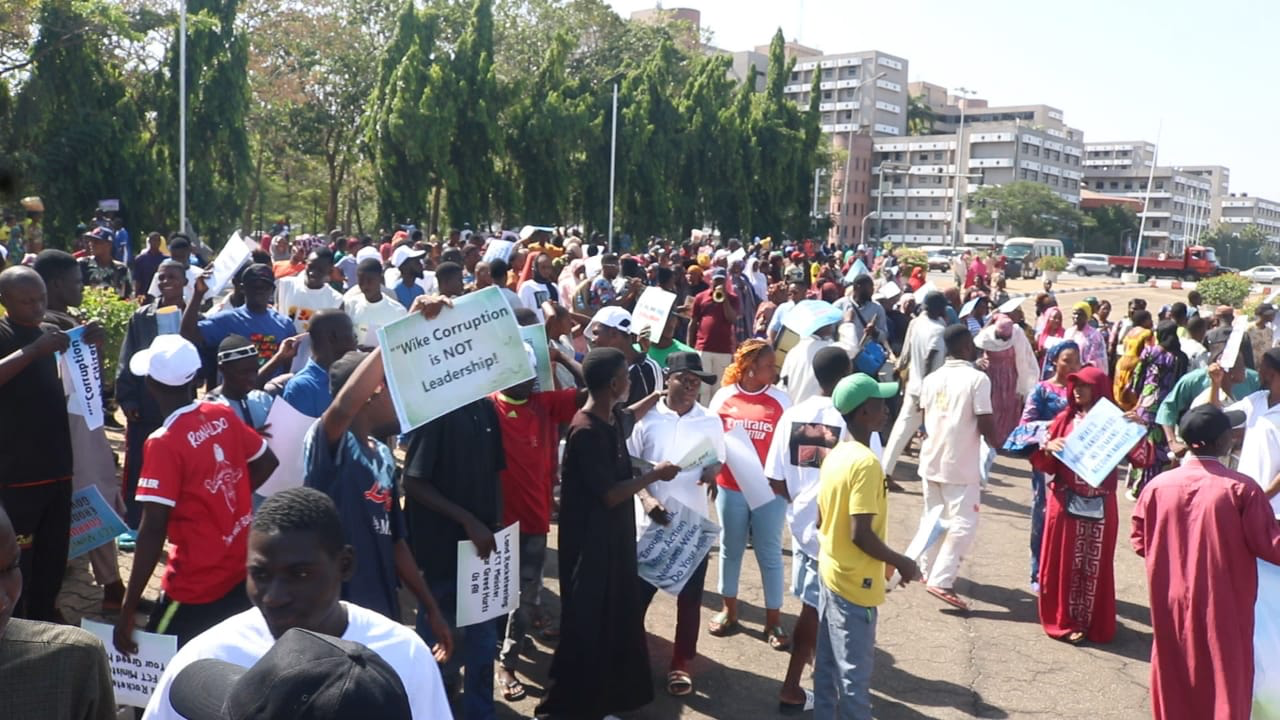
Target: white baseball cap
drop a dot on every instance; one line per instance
(611, 316)
(368, 253)
(171, 360)
(404, 252)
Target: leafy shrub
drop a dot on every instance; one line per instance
(1229, 289)
(1052, 263)
(909, 258)
(103, 305)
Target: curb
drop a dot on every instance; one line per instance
(1171, 284)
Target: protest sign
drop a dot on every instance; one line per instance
(744, 463)
(489, 588)
(93, 522)
(468, 351)
(83, 377)
(808, 316)
(288, 428)
(924, 291)
(109, 205)
(857, 268)
(666, 555)
(1266, 644)
(651, 312)
(1234, 340)
(1099, 442)
(932, 528)
(134, 677)
(234, 254)
(536, 336)
(594, 265)
(498, 250)
(702, 454)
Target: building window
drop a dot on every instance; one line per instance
(826, 73)
(937, 156)
(924, 157)
(933, 225)
(1114, 185)
(826, 94)
(936, 202)
(795, 75)
(1156, 222)
(1159, 184)
(919, 224)
(851, 71)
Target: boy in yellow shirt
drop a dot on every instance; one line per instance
(853, 508)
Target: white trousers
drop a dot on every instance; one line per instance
(904, 428)
(714, 363)
(960, 503)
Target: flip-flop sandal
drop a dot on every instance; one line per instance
(1075, 638)
(949, 598)
(679, 683)
(721, 626)
(778, 638)
(787, 708)
(511, 691)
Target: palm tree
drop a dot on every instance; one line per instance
(920, 117)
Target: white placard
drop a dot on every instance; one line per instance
(744, 463)
(932, 528)
(234, 254)
(498, 250)
(1099, 442)
(84, 378)
(809, 316)
(652, 309)
(468, 351)
(1232, 351)
(134, 677)
(594, 265)
(288, 428)
(702, 454)
(666, 555)
(489, 588)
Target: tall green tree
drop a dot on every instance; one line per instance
(1028, 208)
(920, 117)
(777, 131)
(702, 176)
(477, 140)
(649, 144)
(1106, 229)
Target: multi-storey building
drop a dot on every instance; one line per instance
(1181, 200)
(1235, 212)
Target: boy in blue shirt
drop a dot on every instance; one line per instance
(256, 319)
(332, 336)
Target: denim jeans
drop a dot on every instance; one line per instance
(533, 551)
(765, 523)
(1037, 521)
(474, 649)
(845, 653)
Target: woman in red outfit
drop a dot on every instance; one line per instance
(1077, 556)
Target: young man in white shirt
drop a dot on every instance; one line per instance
(671, 430)
(956, 403)
(296, 566)
(925, 353)
(369, 307)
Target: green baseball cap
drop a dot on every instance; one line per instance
(858, 388)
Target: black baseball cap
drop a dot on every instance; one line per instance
(689, 362)
(304, 676)
(1202, 426)
(258, 272)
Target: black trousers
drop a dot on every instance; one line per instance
(186, 620)
(41, 517)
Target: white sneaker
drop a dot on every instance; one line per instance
(1035, 588)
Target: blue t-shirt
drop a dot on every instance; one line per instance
(308, 390)
(361, 480)
(265, 330)
(406, 293)
(120, 249)
(252, 408)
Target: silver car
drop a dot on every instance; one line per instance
(1085, 264)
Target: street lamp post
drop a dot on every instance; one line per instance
(844, 199)
(960, 147)
(885, 167)
(182, 117)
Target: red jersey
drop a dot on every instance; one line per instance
(530, 439)
(197, 463)
(757, 412)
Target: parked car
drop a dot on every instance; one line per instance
(940, 259)
(1263, 274)
(1085, 264)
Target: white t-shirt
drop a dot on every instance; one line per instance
(192, 273)
(797, 369)
(804, 435)
(243, 639)
(512, 298)
(368, 317)
(299, 303)
(533, 294)
(924, 341)
(952, 398)
(1260, 453)
(664, 435)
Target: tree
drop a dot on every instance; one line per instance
(777, 130)
(649, 147)
(1028, 208)
(920, 116)
(1106, 229)
(707, 137)
(477, 141)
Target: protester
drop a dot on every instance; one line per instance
(1052, 332)
(407, 263)
(301, 297)
(923, 353)
(331, 336)
(1159, 368)
(1195, 389)
(796, 293)
(1135, 341)
(1010, 364)
(197, 474)
(601, 665)
(370, 309)
(1077, 597)
(612, 327)
(748, 399)
(238, 366)
(711, 327)
(852, 518)
(1090, 340)
(99, 269)
(256, 319)
(297, 563)
(35, 440)
(956, 404)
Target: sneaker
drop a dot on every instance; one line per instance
(1035, 588)
(127, 540)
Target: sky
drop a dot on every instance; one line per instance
(1191, 72)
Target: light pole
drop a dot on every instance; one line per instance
(182, 117)
(885, 167)
(844, 199)
(817, 173)
(613, 159)
(960, 146)
(995, 232)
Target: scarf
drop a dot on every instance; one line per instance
(1089, 375)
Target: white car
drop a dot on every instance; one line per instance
(1263, 274)
(1085, 264)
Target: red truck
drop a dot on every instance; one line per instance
(1194, 263)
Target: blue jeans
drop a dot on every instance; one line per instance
(845, 654)
(765, 523)
(474, 648)
(1037, 521)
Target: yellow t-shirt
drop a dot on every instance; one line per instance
(851, 483)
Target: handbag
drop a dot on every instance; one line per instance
(871, 355)
(1092, 508)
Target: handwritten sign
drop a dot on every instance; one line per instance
(536, 336)
(932, 528)
(234, 254)
(1266, 644)
(84, 379)
(288, 428)
(667, 555)
(651, 312)
(489, 588)
(134, 677)
(93, 522)
(498, 250)
(744, 463)
(702, 454)
(809, 316)
(465, 353)
(1099, 442)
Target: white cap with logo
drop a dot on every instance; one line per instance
(171, 360)
(404, 252)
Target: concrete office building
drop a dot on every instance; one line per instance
(1181, 200)
(1235, 212)
(1219, 179)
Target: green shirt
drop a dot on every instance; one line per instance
(1179, 400)
(659, 355)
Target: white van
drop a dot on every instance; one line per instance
(1021, 254)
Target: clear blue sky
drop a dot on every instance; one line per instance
(1116, 68)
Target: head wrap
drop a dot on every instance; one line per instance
(1051, 357)
(1083, 307)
